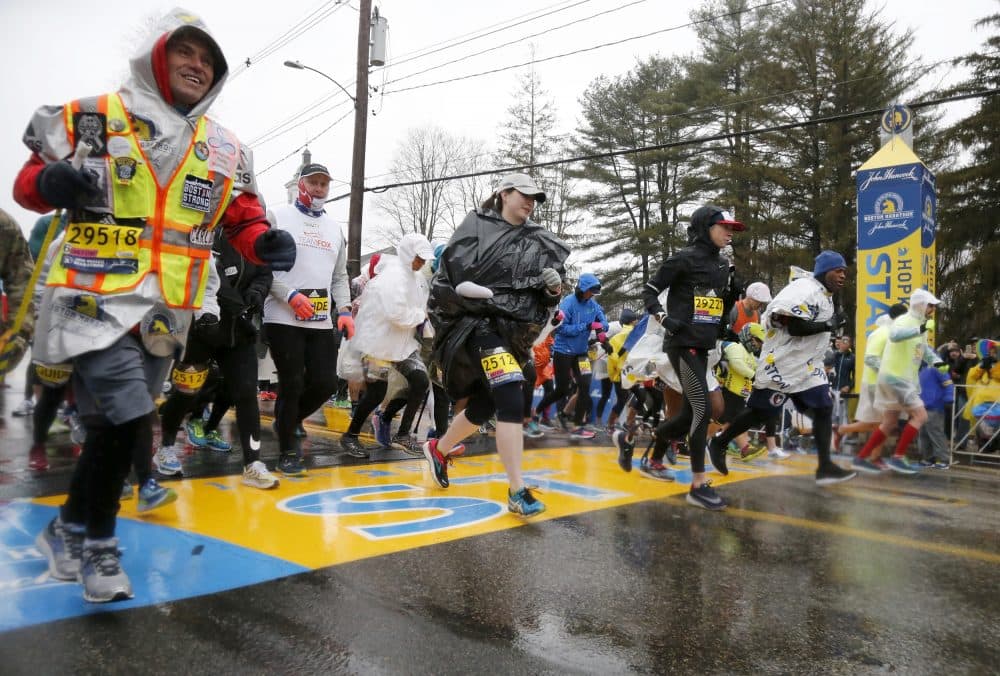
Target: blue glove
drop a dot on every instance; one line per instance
(276, 248)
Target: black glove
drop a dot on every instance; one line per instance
(606, 346)
(208, 329)
(60, 185)
(253, 298)
(670, 325)
(987, 363)
(923, 328)
(836, 321)
(276, 248)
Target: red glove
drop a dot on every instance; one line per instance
(301, 306)
(557, 318)
(601, 336)
(345, 324)
(597, 326)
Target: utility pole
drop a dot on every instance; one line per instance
(360, 136)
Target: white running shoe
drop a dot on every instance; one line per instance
(257, 475)
(24, 409)
(779, 454)
(165, 461)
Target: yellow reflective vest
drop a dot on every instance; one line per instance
(166, 229)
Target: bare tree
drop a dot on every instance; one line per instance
(429, 206)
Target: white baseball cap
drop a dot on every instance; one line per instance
(759, 292)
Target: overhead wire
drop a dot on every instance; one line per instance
(514, 42)
(301, 147)
(477, 34)
(585, 49)
(297, 30)
(675, 144)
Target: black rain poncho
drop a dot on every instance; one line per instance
(508, 260)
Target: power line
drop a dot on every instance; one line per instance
(300, 28)
(475, 35)
(514, 42)
(587, 49)
(332, 125)
(698, 140)
(276, 134)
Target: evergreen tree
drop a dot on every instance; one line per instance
(829, 57)
(635, 200)
(969, 202)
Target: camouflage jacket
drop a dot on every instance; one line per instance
(15, 270)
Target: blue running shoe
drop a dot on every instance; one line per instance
(165, 461)
(215, 442)
(865, 466)
(291, 464)
(383, 430)
(655, 470)
(195, 429)
(704, 496)
(524, 503)
(153, 495)
(901, 465)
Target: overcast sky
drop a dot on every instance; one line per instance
(56, 50)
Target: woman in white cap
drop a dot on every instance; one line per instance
(498, 283)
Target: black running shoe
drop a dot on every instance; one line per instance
(717, 453)
(625, 449)
(438, 463)
(353, 447)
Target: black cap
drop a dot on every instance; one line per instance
(313, 169)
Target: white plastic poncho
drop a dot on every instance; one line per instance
(789, 363)
(394, 304)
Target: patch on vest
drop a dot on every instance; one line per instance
(91, 127)
(197, 194)
(202, 236)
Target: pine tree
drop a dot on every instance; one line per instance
(969, 202)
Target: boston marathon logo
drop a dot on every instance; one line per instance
(889, 213)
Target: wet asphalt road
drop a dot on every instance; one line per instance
(877, 575)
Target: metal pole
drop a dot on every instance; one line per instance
(360, 135)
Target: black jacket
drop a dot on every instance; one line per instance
(243, 287)
(695, 272)
(507, 259)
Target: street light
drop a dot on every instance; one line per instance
(360, 136)
(301, 66)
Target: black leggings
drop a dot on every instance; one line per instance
(752, 417)
(306, 361)
(417, 382)
(506, 400)
(567, 368)
(96, 484)
(606, 387)
(238, 387)
(690, 366)
(45, 412)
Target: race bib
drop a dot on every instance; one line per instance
(190, 379)
(320, 300)
(707, 310)
(500, 367)
(584, 365)
(101, 247)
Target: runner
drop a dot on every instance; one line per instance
(499, 282)
(298, 313)
(141, 211)
(798, 322)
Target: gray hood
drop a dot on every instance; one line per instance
(142, 80)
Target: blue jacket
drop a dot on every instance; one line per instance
(936, 388)
(572, 336)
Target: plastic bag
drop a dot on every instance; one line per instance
(349, 366)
